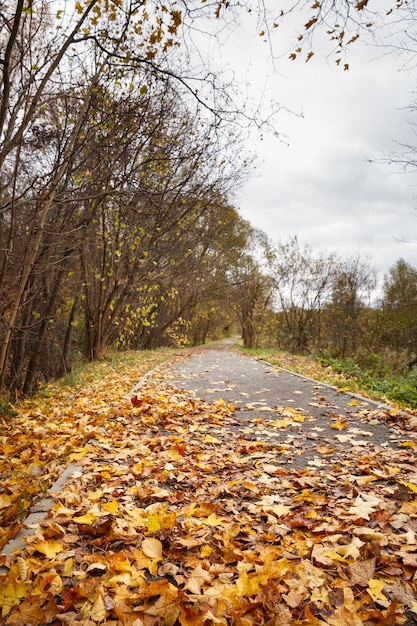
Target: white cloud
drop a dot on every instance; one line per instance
(322, 186)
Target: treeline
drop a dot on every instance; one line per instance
(320, 303)
(125, 246)
(116, 227)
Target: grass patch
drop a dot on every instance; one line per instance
(375, 381)
(85, 374)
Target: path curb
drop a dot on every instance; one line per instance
(38, 513)
(351, 394)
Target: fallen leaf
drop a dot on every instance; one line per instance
(375, 588)
(98, 611)
(199, 576)
(361, 573)
(339, 424)
(364, 506)
(152, 548)
(49, 548)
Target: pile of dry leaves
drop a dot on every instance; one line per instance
(179, 518)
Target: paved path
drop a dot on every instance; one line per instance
(309, 423)
(298, 490)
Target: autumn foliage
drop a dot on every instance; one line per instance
(178, 515)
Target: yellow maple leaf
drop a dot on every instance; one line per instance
(339, 424)
(76, 456)
(247, 585)
(213, 520)
(167, 604)
(351, 549)
(353, 403)
(67, 567)
(299, 418)
(111, 507)
(5, 501)
(153, 522)
(49, 548)
(334, 556)
(12, 590)
(205, 551)
(375, 588)
(281, 423)
(211, 439)
(88, 518)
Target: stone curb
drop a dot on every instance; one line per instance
(38, 513)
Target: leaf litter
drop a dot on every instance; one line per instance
(185, 514)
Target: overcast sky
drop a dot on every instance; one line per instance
(322, 187)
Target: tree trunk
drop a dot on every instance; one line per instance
(34, 359)
(68, 337)
(34, 241)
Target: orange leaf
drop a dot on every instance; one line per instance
(152, 548)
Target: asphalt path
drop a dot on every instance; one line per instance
(309, 424)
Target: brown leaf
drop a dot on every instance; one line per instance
(361, 573)
(96, 569)
(98, 527)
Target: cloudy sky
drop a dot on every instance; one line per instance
(321, 186)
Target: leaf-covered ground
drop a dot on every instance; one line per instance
(180, 517)
(45, 433)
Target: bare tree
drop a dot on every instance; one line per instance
(303, 282)
(352, 287)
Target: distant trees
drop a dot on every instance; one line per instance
(303, 282)
(320, 302)
(317, 301)
(251, 290)
(352, 288)
(319, 298)
(399, 308)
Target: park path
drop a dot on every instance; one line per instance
(308, 422)
(275, 501)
